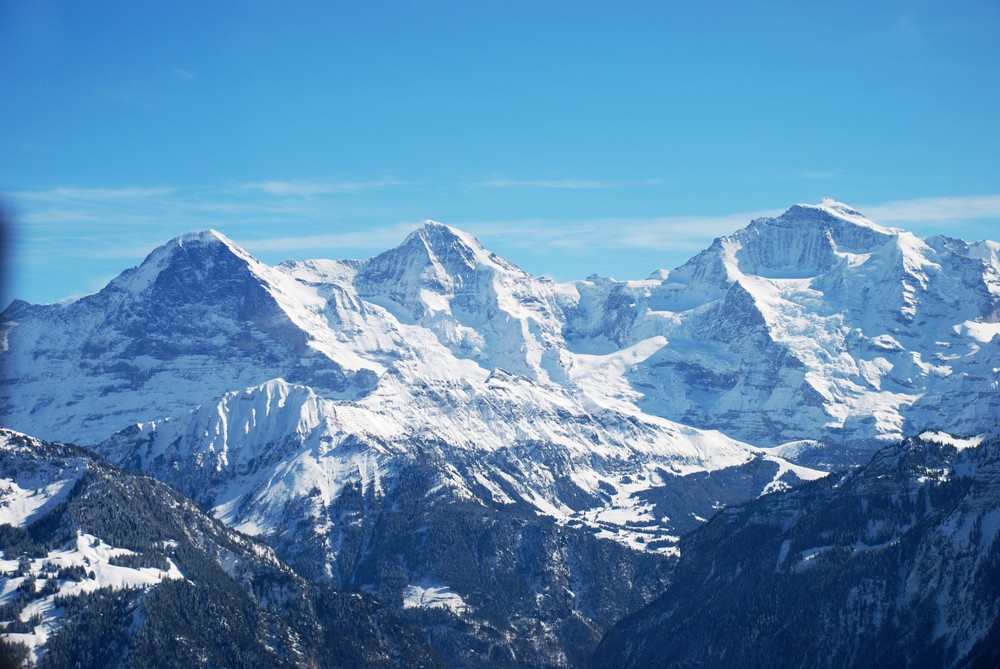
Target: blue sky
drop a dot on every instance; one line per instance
(570, 137)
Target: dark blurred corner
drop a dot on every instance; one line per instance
(5, 244)
(11, 656)
(7, 655)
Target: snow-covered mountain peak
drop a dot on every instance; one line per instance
(849, 214)
(238, 428)
(867, 326)
(199, 316)
(845, 224)
(439, 236)
(478, 305)
(989, 253)
(798, 305)
(209, 236)
(189, 259)
(440, 256)
(806, 240)
(198, 240)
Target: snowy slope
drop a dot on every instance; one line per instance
(816, 325)
(40, 616)
(197, 318)
(253, 453)
(32, 486)
(478, 305)
(383, 494)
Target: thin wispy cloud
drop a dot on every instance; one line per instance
(384, 237)
(941, 210)
(567, 184)
(272, 200)
(192, 208)
(64, 193)
(666, 232)
(322, 187)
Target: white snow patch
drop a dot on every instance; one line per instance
(981, 332)
(946, 439)
(435, 301)
(886, 342)
(784, 466)
(19, 506)
(429, 596)
(808, 555)
(845, 212)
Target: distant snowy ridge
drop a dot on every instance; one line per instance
(816, 325)
(254, 451)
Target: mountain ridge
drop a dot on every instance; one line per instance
(361, 415)
(116, 569)
(892, 563)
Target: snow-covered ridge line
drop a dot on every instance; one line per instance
(946, 439)
(260, 447)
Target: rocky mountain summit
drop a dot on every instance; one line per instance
(817, 324)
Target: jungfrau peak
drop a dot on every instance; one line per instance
(820, 324)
